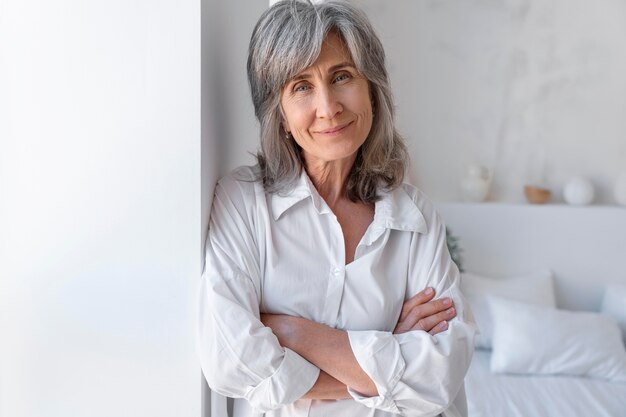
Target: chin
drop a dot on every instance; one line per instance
(341, 156)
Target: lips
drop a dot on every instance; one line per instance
(334, 130)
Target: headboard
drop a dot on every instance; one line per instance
(585, 247)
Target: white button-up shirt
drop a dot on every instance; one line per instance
(284, 254)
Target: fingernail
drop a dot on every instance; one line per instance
(443, 324)
(447, 301)
(450, 310)
(428, 291)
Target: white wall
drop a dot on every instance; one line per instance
(100, 236)
(239, 130)
(218, 116)
(533, 89)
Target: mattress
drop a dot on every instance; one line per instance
(500, 395)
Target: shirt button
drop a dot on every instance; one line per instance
(337, 271)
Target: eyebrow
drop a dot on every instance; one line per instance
(305, 76)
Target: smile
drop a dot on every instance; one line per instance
(334, 130)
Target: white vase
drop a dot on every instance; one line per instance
(620, 189)
(578, 191)
(475, 185)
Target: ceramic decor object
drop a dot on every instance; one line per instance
(475, 185)
(578, 191)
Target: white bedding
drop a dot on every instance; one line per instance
(498, 395)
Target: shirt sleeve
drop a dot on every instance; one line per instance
(417, 374)
(240, 357)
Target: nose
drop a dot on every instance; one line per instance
(328, 104)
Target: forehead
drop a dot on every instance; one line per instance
(333, 51)
(334, 48)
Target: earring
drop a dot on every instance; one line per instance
(287, 135)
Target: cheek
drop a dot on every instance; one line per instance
(297, 116)
(359, 101)
(363, 108)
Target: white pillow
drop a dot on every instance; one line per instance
(530, 339)
(614, 305)
(535, 288)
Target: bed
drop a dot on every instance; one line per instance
(553, 347)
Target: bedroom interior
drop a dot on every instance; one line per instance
(547, 288)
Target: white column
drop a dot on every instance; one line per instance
(100, 228)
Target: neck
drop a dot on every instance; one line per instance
(329, 178)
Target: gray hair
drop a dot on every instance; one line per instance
(287, 39)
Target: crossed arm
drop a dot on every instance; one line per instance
(329, 349)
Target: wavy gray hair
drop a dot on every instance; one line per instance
(287, 39)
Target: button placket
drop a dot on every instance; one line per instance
(336, 275)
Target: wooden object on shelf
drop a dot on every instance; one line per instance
(536, 195)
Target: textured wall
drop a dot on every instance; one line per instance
(534, 90)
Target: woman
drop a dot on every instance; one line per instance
(313, 255)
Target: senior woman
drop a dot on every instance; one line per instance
(318, 297)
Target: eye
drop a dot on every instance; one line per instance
(301, 87)
(342, 76)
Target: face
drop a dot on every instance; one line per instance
(327, 107)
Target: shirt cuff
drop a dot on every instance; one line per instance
(365, 346)
(294, 377)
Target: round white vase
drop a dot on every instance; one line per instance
(578, 192)
(475, 185)
(620, 189)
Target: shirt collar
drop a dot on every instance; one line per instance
(303, 188)
(395, 209)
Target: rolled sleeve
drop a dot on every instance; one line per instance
(416, 374)
(367, 346)
(294, 377)
(242, 358)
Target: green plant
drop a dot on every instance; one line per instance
(454, 248)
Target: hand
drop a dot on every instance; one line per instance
(420, 313)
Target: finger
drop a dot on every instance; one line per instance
(418, 299)
(425, 317)
(430, 322)
(427, 309)
(401, 327)
(441, 327)
(422, 313)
